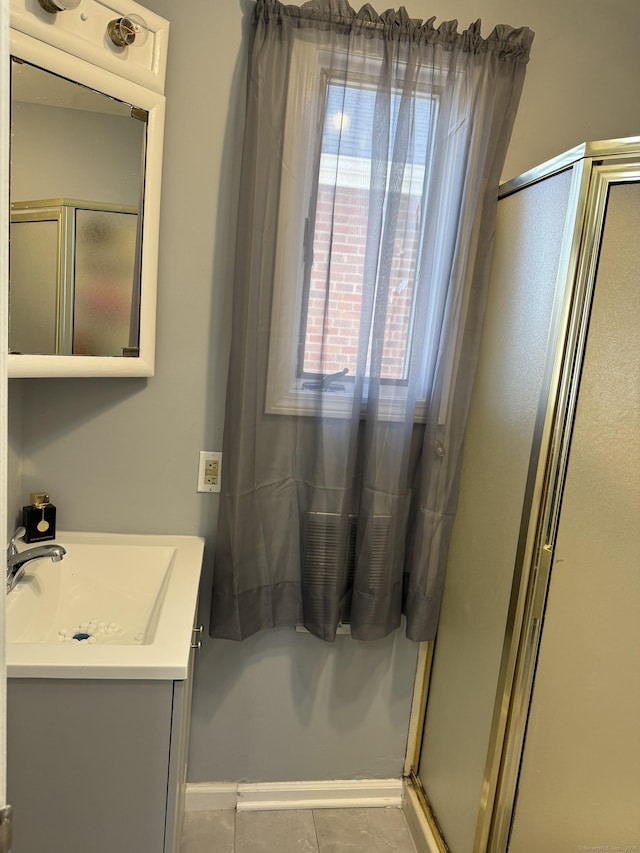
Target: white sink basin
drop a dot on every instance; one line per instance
(116, 606)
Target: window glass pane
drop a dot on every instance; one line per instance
(331, 310)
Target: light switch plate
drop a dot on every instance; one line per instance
(209, 470)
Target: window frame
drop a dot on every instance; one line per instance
(305, 113)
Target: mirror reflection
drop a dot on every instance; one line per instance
(77, 168)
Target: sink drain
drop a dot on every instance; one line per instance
(92, 631)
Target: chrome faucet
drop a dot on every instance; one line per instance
(17, 560)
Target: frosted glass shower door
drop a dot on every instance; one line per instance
(498, 446)
(579, 786)
(74, 278)
(104, 281)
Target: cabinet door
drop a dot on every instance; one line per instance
(579, 786)
(87, 764)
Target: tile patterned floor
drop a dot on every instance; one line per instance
(297, 831)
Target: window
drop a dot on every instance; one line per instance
(325, 223)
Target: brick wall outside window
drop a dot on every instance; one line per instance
(332, 328)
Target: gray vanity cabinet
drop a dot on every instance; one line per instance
(97, 765)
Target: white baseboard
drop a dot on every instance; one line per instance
(210, 796)
(271, 796)
(338, 794)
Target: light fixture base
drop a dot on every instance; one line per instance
(59, 6)
(118, 35)
(48, 6)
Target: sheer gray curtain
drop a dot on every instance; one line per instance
(372, 153)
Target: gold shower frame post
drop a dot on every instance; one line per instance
(596, 166)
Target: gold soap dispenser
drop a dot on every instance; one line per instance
(39, 518)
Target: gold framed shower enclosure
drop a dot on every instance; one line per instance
(588, 172)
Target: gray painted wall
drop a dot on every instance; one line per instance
(83, 139)
(121, 455)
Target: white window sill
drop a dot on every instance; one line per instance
(336, 404)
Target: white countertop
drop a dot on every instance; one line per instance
(166, 657)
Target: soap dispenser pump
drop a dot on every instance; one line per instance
(39, 518)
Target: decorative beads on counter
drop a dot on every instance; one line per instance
(92, 631)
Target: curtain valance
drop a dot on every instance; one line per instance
(507, 43)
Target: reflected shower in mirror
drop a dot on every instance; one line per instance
(77, 181)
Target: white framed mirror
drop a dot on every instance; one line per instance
(86, 162)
